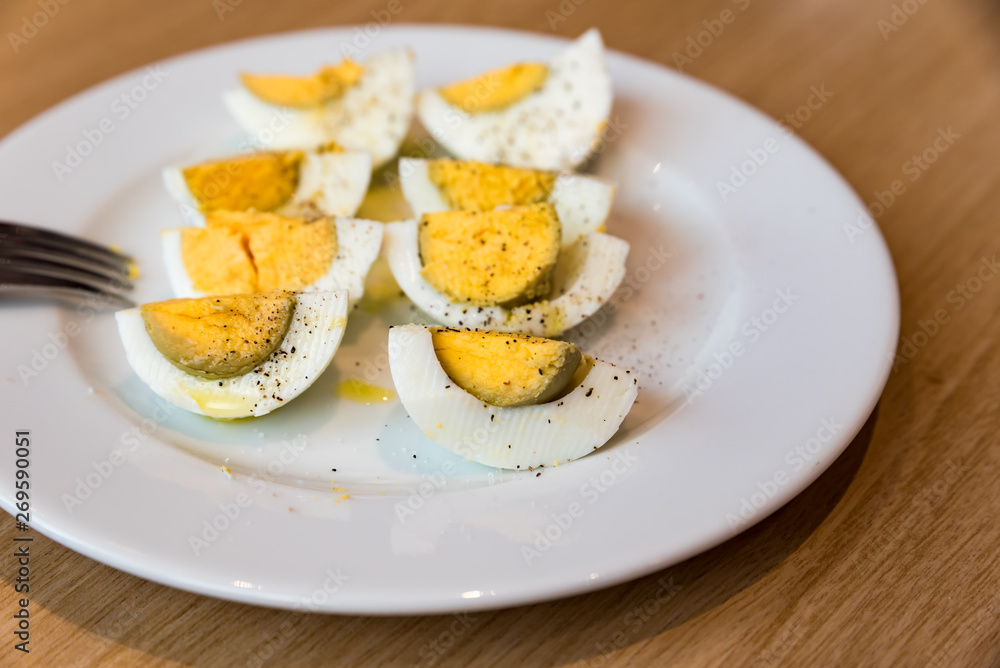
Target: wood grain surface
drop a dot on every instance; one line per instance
(890, 559)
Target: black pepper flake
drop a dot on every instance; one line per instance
(538, 474)
(590, 392)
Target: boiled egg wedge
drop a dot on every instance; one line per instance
(328, 181)
(233, 356)
(526, 114)
(504, 400)
(366, 106)
(506, 269)
(246, 252)
(582, 202)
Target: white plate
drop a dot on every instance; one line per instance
(681, 475)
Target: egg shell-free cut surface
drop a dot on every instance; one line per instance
(373, 115)
(546, 434)
(313, 337)
(580, 289)
(332, 183)
(358, 245)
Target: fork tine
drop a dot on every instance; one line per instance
(58, 239)
(15, 240)
(39, 267)
(29, 251)
(19, 284)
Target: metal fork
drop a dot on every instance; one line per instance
(39, 263)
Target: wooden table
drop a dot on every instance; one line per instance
(890, 558)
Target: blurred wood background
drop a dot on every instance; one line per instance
(890, 559)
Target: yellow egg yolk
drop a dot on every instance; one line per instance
(329, 83)
(246, 251)
(219, 337)
(496, 89)
(477, 186)
(503, 257)
(506, 369)
(262, 181)
(330, 147)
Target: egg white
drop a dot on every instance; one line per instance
(557, 127)
(586, 276)
(315, 332)
(512, 438)
(373, 115)
(358, 245)
(582, 202)
(333, 183)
